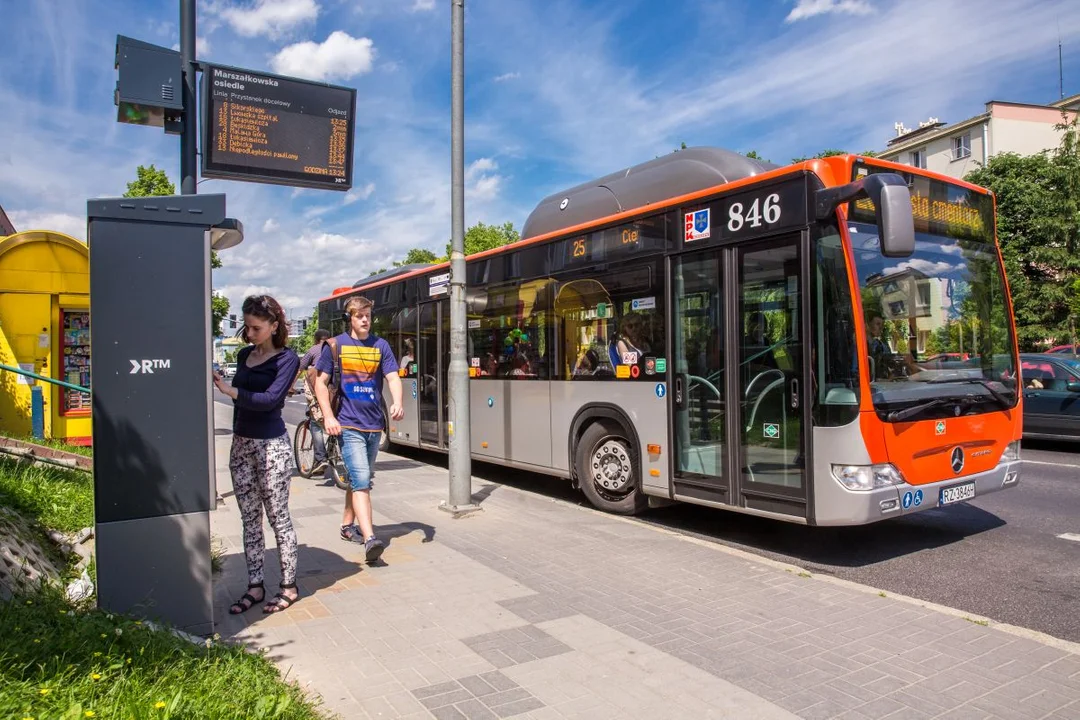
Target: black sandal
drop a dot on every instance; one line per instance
(248, 601)
(281, 601)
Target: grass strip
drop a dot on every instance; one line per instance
(56, 498)
(69, 664)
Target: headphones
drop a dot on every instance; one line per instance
(346, 317)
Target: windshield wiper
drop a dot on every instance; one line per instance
(1001, 399)
(901, 415)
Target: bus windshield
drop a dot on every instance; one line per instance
(938, 327)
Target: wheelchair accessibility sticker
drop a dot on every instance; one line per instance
(912, 498)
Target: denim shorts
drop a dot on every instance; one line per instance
(359, 450)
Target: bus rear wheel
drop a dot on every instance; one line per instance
(607, 470)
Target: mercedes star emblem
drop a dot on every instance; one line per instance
(957, 460)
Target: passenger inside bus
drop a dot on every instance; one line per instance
(632, 340)
(489, 366)
(588, 364)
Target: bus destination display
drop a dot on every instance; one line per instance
(267, 128)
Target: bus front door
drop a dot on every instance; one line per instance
(738, 382)
(771, 382)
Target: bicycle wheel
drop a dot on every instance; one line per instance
(304, 449)
(335, 464)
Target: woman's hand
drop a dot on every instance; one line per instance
(224, 386)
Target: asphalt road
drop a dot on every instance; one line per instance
(999, 556)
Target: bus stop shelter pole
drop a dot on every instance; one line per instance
(460, 500)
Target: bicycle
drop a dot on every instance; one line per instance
(304, 455)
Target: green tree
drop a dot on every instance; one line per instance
(152, 182)
(478, 238)
(418, 256)
(219, 308)
(1037, 200)
(302, 343)
(823, 154)
(481, 237)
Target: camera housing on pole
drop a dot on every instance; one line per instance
(149, 85)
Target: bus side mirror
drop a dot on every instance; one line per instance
(892, 209)
(896, 226)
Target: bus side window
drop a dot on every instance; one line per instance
(509, 339)
(610, 324)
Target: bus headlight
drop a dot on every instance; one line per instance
(1011, 454)
(867, 477)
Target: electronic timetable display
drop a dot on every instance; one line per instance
(267, 128)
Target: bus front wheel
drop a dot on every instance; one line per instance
(607, 470)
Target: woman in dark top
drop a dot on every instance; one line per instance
(261, 457)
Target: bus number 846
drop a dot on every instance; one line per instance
(769, 211)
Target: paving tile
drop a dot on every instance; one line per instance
(475, 710)
(517, 708)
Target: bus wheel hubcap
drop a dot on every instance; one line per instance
(611, 468)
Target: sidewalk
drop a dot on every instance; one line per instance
(539, 609)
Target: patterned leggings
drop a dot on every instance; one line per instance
(261, 475)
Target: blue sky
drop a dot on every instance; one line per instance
(557, 92)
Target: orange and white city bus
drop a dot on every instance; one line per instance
(829, 343)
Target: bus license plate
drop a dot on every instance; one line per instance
(957, 493)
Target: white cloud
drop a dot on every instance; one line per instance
(340, 57)
(271, 225)
(202, 47)
(358, 194)
(317, 263)
(805, 9)
(481, 182)
(928, 267)
(422, 5)
(68, 224)
(507, 76)
(271, 18)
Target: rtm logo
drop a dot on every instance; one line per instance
(148, 366)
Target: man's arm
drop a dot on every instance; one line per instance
(397, 410)
(322, 394)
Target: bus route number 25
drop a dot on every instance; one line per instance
(752, 216)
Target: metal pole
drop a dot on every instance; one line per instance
(460, 501)
(189, 136)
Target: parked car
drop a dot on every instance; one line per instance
(1051, 396)
(1061, 350)
(229, 371)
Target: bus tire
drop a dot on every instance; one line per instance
(608, 469)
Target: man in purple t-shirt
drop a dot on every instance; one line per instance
(365, 360)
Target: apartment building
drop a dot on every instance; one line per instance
(957, 149)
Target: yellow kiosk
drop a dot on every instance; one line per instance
(45, 328)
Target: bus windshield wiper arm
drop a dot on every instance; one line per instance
(1001, 399)
(901, 415)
